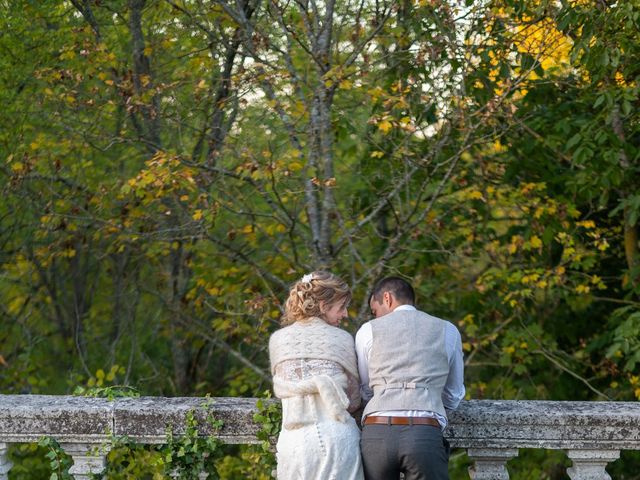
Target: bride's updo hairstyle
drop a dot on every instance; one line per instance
(306, 295)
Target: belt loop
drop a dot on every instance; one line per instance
(411, 421)
(388, 421)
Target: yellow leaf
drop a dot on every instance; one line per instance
(498, 146)
(535, 242)
(16, 304)
(295, 166)
(586, 224)
(345, 84)
(538, 213)
(475, 195)
(377, 154)
(197, 215)
(148, 51)
(583, 289)
(100, 374)
(385, 126)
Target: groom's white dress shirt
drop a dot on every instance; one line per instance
(454, 387)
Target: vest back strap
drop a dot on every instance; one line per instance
(403, 385)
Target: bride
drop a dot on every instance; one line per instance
(315, 374)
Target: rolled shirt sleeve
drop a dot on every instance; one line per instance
(454, 389)
(364, 340)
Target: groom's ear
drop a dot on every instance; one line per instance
(387, 298)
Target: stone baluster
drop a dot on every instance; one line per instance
(87, 459)
(490, 463)
(590, 464)
(201, 475)
(5, 464)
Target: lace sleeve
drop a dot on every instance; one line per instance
(305, 368)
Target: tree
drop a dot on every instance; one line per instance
(171, 166)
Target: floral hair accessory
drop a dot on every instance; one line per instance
(307, 278)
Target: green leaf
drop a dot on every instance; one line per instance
(527, 62)
(601, 98)
(577, 138)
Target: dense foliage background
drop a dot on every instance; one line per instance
(169, 167)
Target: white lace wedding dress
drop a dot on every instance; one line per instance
(319, 439)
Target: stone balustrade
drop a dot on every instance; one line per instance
(492, 431)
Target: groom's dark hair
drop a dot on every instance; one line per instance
(396, 286)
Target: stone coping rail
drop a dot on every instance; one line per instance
(492, 431)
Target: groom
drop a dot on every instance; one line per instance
(411, 370)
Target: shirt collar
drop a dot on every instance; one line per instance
(404, 307)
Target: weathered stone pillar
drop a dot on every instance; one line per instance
(5, 464)
(590, 464)
(87, 459)
(490, 463)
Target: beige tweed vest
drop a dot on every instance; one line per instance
(408, 363)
